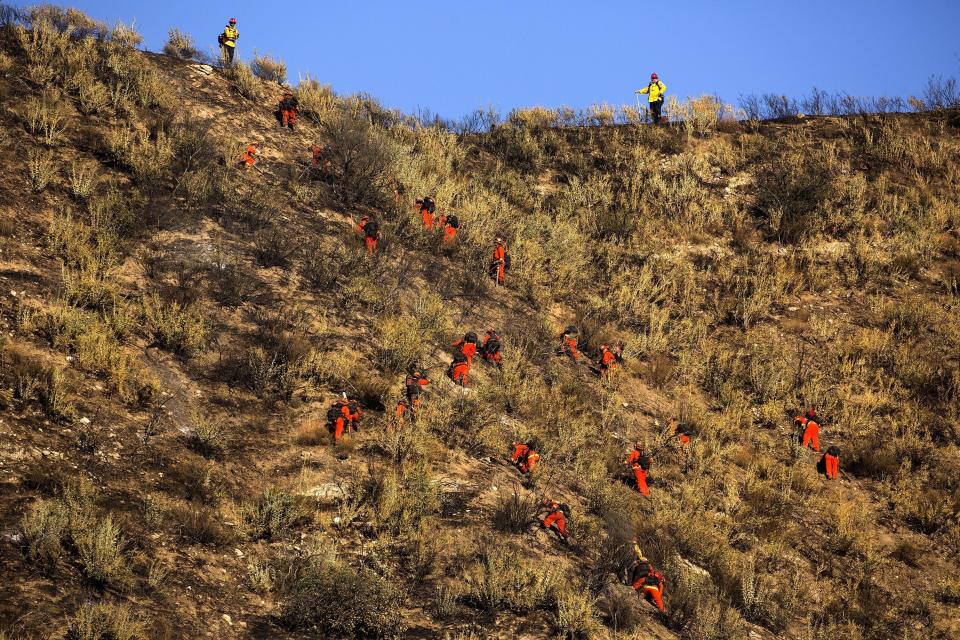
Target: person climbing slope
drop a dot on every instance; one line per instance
(609, 359)
(525, 456)
(568, 344)
(467, 345)
(557, 514)
(459, 369)
(639, 462)
(655, 91)
(250, 156)
(490, 349)
(413, 386)
(288, 107)
(499, 263)
(371, 232)
(829, 464)
(810, 424)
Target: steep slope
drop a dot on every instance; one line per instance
(177, 326)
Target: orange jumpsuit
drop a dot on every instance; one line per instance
(499, 263)
(831, 462)
(637, 459)
(249, 157)
(459, 373)
(524, 457)
(811, 431)
(401, 412)
(449, 233)
(339, 427)
(608, 361)
(556, 519)
(568, 346)
(653, 588)
(468, 349)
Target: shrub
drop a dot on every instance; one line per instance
(271, 515)
(275, 247)
(515, 512)
(328, 264)
(338, 601)
(208, 437)
(268, 68)
(44, 117)
(40, 168)
(233, 282)
(246, 84)
(180, 45)
(93, 96)
(361, 157)
(83, 179)
(44, 528)
(200, 525)
(505, 577)
(576, 615)
(104, 621)
(317, 101)
(99, 549)
(173, 327)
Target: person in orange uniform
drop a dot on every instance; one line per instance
(568, 344)
(351, 411)
(337, 422)
(639, 462)
(498, 264)
(459, 369)
(288, 106)
(250, 156)
(320, 157)
(831, 462)
(653, 585)
(400, 413)
(450, 223)
(427, 207)
(525, 456)
(490, 349)
(371, 232)
(810, 424)
(413, 386)
(609, 359)
(556, 518)
(467, 345)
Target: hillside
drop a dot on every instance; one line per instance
(175, 327)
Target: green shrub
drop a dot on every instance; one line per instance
(505, 577)
(514, 512)
(271, 515)
(246, 84)
(45, 117)
(337, 601)
(44, 529)
(99, 549)
(40, 168)
(104, 621)
(181, 330)
(208, 437)
(83, 179)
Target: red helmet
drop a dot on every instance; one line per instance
(233, 21)
(653, 76)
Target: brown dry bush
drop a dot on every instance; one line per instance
(100, 621)
(180, 45)
(268, 68)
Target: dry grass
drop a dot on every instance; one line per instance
(180, 45)
(269, 68)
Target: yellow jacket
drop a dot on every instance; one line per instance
(230, 35)
(656, 90)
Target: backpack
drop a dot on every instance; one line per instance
(565, 508)
(412, 386)
(352, 406)
(453, 222)
(470, 337)
(458, 358)
(493, 346)
(506, 261)
(333, 413)
(429, 205)
(221, 39)
(644, 461)
(372, 228)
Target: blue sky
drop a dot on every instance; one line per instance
(450, 57)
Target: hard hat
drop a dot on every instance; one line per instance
(233, 21)
(653, 76)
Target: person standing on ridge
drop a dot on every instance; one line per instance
(228, 41)
(655, 91)
(810, 423)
